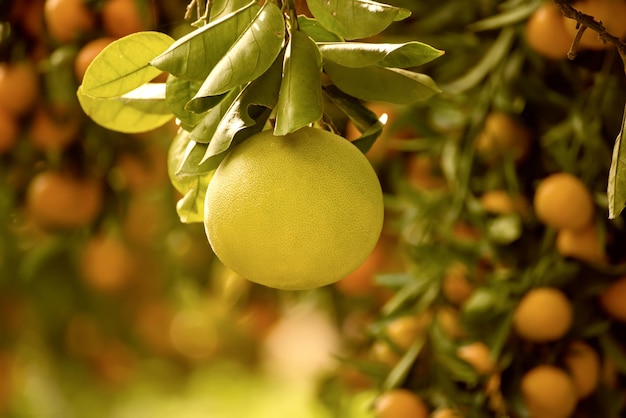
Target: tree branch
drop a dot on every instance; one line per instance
(585, 21)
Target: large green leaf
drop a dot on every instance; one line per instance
(357, 54)
(220, 8)
(316, 31)
(205, 130)
(354, 19)
(617, 174)
(380, 84)
(124, 65)
(251, 55)
(300, 101)
(248, 113)
(193, 56)
(178, 93)
(140, 110)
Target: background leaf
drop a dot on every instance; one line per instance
(354, 19)
(300, 99)
(617, 174)
(140, 110)
(252, 54)
(193, 56)
(382, 84)
(358, 54)
(124, 65)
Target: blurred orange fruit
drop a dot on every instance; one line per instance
(52, 130)
(613, 298)
(583, 244)
(9, 131)
(501, 202)
(423, 172)
(19, 87)
(503, 135)
(543, 314)
(562, 200)
(545, 32)
(548, 392)
(124, 17)
(456, 287)
(478, 355)
(400, 403)
(67, 20)
(106, 263)
(59, 200)
(583, 363)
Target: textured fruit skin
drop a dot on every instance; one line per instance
(294, 212)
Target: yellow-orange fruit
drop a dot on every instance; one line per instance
(543, 314)
(548, 392)
(478, 355)
(9, 130)
(545, 32)
(562, 200)
(583, 244)
(400, 403)
(67, 20)
(613, 297)
(58, 200)
(52, 131)
(19, 87)
(583, 363)
(106, 263)
(503, 135)
(124, 17)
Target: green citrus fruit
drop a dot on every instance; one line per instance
(294, 212)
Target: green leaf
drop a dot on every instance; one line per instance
(124, 65)
(140, 110)
(251, 55)
(175, 157)
(191, 164)
(354, 19)
(357, 54)
(193, 56)
(247, 114)
(373, 83)
(364, 119)
(204, 131)
(316, 31)
(178, 93)
(190, 207)
(300, 100)
(616, 191)
(220, 8)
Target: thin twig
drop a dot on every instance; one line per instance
(585, 21)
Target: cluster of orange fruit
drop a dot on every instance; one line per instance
(99, 201)
(559, 369)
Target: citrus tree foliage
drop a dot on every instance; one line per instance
(248, 67)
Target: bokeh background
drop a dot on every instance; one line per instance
(111, 307)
